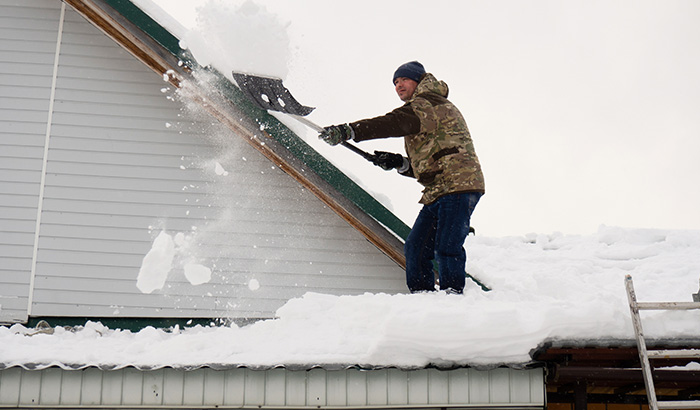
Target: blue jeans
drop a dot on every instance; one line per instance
(439, 234)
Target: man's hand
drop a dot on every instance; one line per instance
(388, 160)
(335, 134)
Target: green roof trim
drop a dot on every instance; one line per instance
(133, 324)
(149, 26)
(281, 133)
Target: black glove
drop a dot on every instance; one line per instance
(335, 134)
(387, 160)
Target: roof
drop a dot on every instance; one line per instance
(157, 48)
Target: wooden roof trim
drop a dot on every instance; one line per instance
(160, 60)
(142, 47)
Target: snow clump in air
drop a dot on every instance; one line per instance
(165, 253)
(156, 264)
(247, 38)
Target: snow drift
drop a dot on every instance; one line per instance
(545, 287)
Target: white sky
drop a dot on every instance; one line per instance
(583, 112)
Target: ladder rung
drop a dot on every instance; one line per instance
(668, 305)
(673, 354)
(683, 404)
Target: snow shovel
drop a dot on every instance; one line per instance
(270, 94)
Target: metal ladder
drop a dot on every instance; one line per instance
(645, 355)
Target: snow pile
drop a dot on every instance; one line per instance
(544, 287)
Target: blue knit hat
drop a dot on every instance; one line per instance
(413, 70)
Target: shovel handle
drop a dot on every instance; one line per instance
(366, 155)
(307, 122)
(317, 128)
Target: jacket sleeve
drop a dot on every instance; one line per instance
(398, 123)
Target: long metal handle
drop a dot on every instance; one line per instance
(366, 155)
(307, 122)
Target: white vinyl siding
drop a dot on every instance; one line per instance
(28, 34)
(502, 388)
(127, 160)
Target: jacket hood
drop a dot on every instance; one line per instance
(430, 84)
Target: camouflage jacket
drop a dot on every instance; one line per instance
(436, 138)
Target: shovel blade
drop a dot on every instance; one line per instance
(270, 94)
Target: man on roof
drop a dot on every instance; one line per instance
(441, 156)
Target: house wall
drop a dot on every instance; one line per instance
(279, 388)
(102, 156)
(27, 52)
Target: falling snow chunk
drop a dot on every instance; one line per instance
(219, 170)
(197, 274)
(181, 241)
(156, 264)
(168, 74)
(253, 284)
(243, 32)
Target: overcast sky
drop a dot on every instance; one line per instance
(583, 113)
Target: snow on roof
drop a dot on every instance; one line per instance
(545, 287)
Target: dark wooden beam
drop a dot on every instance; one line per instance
(580, 395)
(626, 375)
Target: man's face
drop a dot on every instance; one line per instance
(405, 88)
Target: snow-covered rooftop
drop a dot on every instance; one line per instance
(545, 287)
